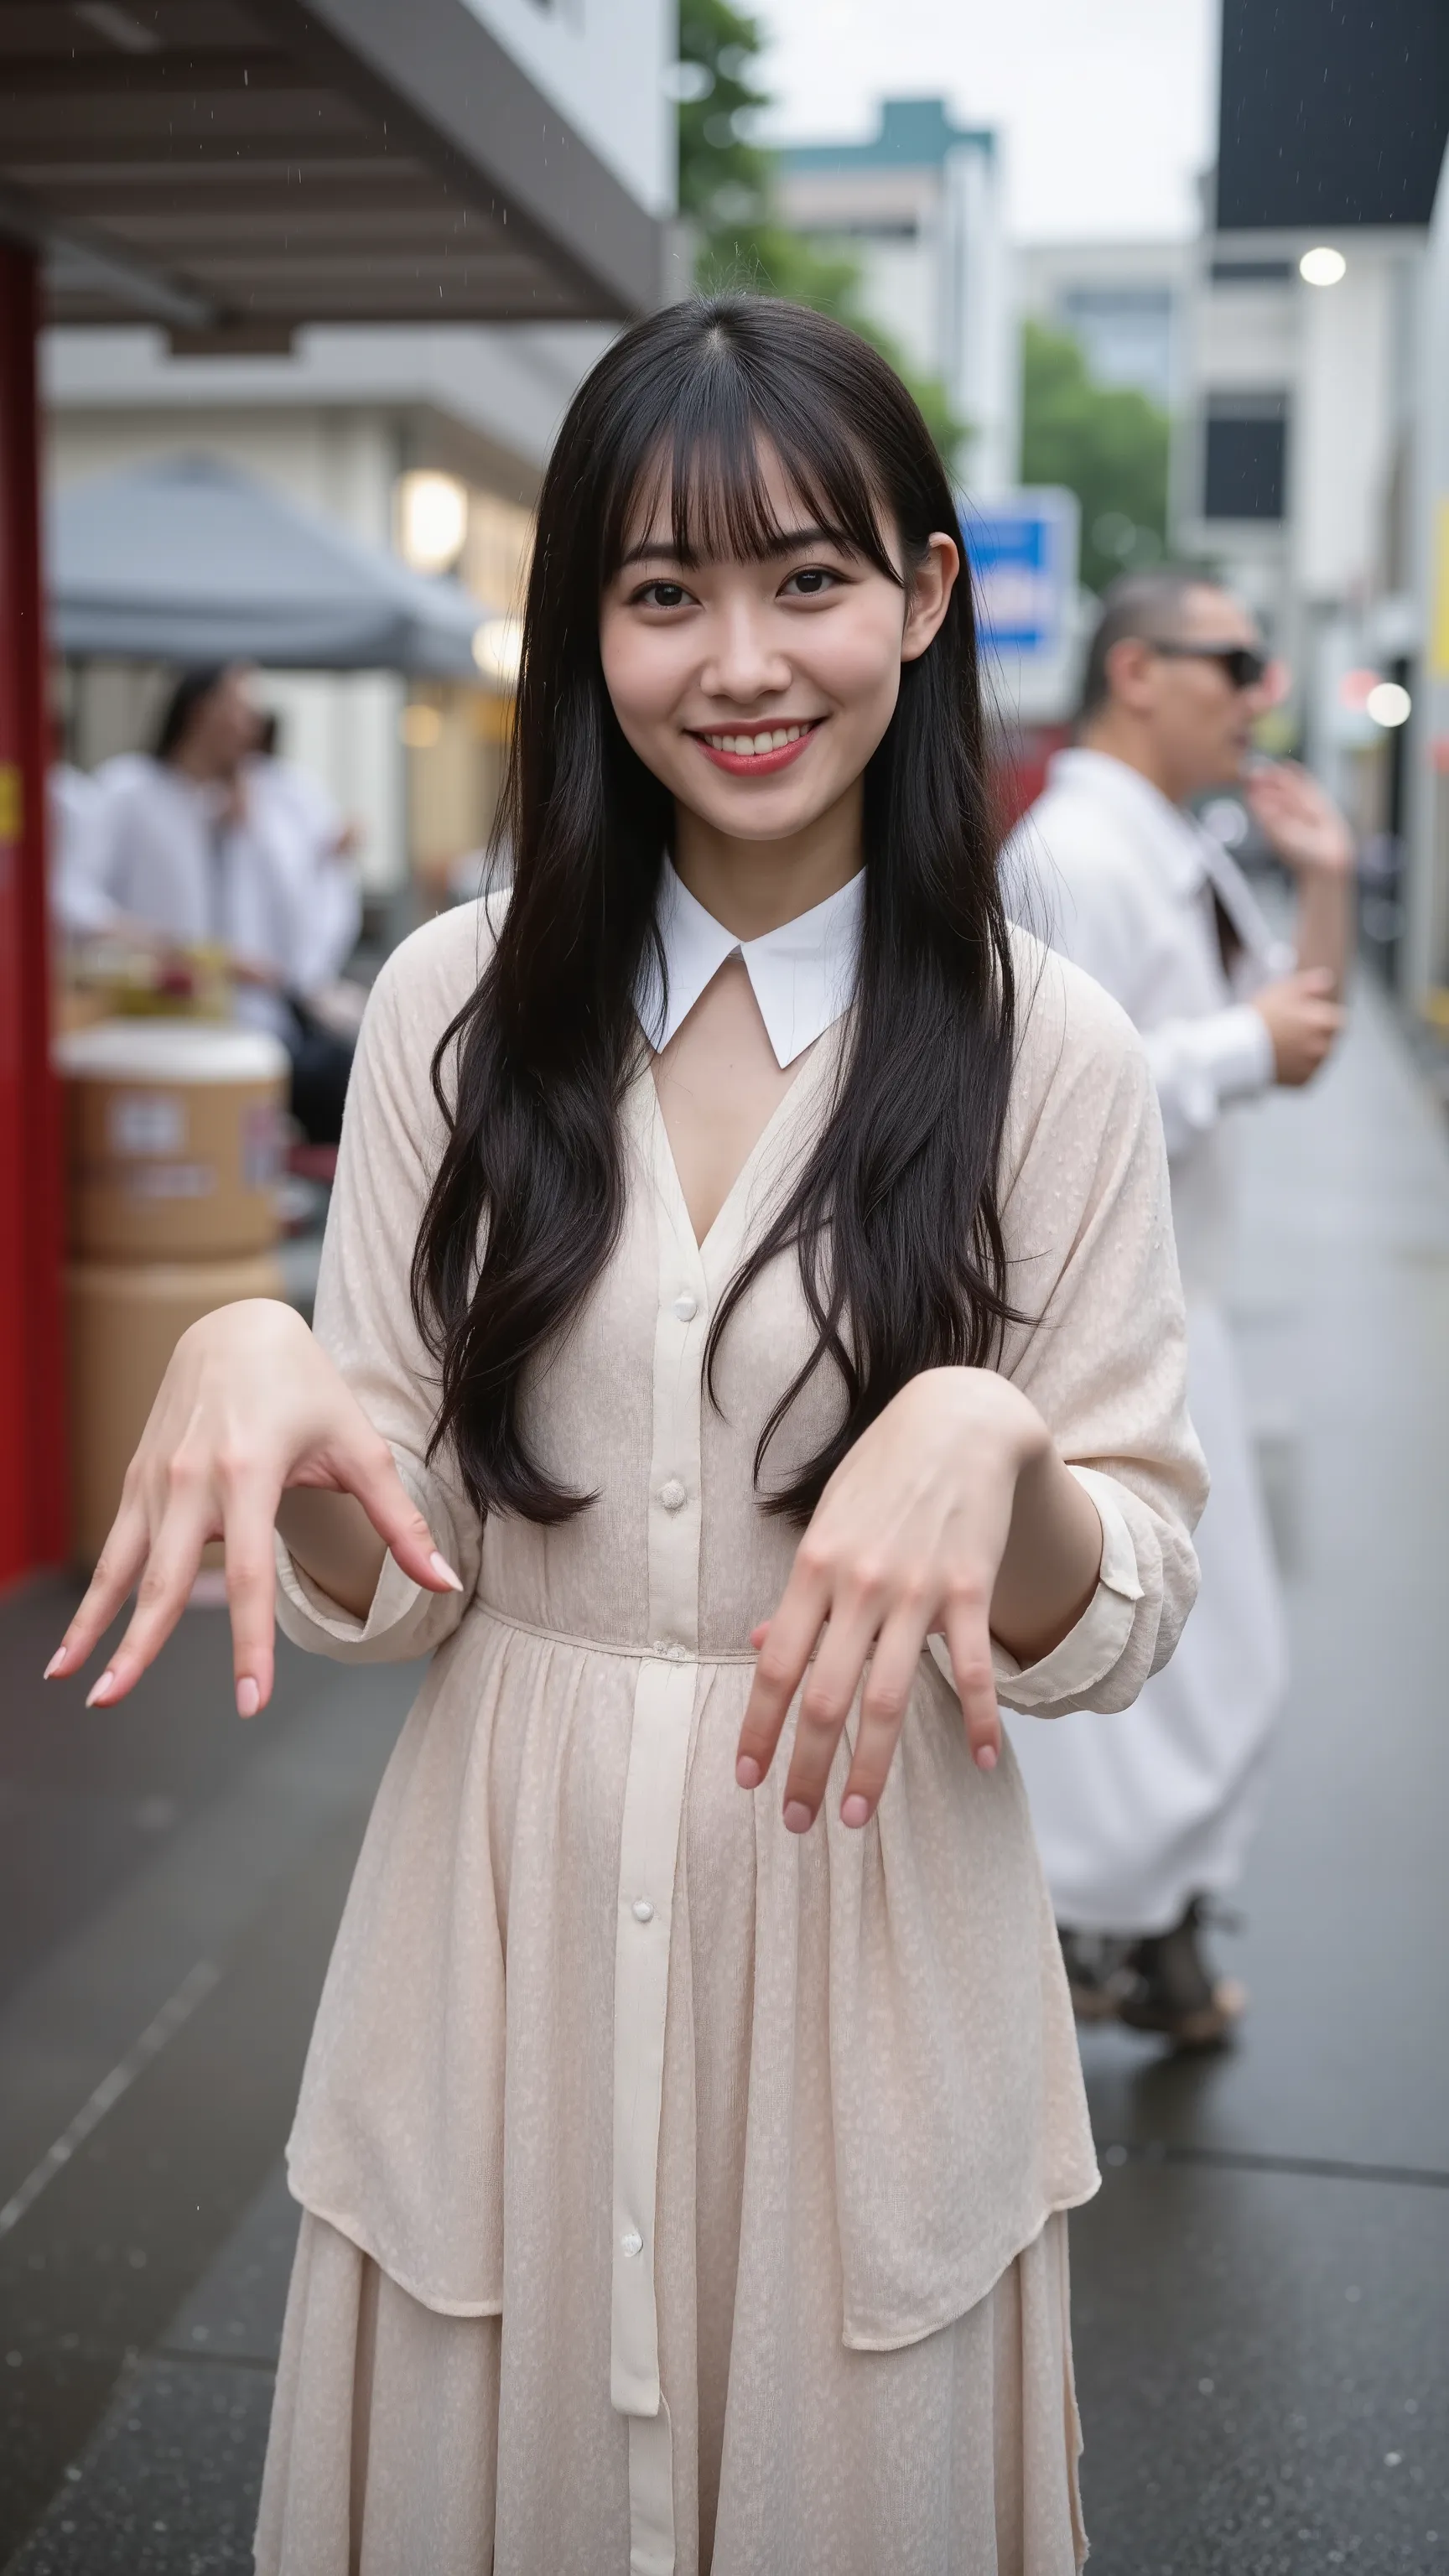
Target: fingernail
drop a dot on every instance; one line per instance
(248, 1697)
(985, 1757)
(797, 1816)
(101, 1692)
(444, 1572)
(855, 1810)
(747, 1772)
(56, 1664)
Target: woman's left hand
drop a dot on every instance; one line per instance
(908, 1538)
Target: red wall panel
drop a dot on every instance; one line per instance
(32, 1442)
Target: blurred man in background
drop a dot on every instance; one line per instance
(1144, 1817)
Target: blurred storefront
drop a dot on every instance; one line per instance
(353, 425)
(214, 213)
(921, 205)
(1312, 437)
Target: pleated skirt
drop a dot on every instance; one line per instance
(390, 2450)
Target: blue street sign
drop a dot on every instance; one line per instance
(1022, 550)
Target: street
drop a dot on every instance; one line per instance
(1262, 2285)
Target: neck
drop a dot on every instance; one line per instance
(756, 886)
(193, 765)
(1122, 738)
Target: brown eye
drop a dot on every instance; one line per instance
(663, 594)
(811, 581)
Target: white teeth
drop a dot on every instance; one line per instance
(752, 745)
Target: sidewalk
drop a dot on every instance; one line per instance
(1261, 2287)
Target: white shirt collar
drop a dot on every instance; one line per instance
(1182, 848)
(803, 975)
(1178, 842)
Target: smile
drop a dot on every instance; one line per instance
(761, 750)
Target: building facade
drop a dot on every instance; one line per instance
(920, 205)
(1312, 431)
(1122, 302)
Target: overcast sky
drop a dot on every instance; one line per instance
(1106, 106)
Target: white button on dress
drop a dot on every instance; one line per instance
(642, 1909)
(672, 1495)
(686, 1305)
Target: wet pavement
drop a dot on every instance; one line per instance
(1262, 2285)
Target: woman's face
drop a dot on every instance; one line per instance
(223, 727)
(756, 692)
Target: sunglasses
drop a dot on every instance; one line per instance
(1243, 664)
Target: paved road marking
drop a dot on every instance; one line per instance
(1248, 2160)
(194, 1988)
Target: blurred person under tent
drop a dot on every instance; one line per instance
(210, 843)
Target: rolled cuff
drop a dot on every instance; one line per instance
(1241, 1061)
(1090, 1650)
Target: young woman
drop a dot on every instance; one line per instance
(750, 1269)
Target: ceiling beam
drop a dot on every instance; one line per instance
(80, 77)
(154, 293)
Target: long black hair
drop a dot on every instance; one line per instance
(189, 695)
(895, 1218)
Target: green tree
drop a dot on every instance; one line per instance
(1106, 443)
(728, 193)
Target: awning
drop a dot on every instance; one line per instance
(235, 168)
(189, 561)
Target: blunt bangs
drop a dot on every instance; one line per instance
(701, 443)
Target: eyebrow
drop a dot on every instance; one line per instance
(787, 542)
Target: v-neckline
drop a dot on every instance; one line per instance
(667, 1169)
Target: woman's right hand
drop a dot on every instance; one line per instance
(250, 1405)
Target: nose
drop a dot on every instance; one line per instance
(744, 662)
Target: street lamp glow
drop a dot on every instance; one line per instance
(434, 520)
(1388, 704)
(498, 649)
(1322, 267)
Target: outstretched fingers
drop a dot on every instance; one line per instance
(787, 1643)
(966, 1623)
(162, 1594)
(883, 1704)
(117, 1567)
(370, 1472)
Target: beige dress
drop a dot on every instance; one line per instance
(681, 2194)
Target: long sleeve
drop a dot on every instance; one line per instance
(392, 1137)
(1201, 1067)
(1102, 1351)
(81, 837)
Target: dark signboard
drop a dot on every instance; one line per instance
(1333, 112)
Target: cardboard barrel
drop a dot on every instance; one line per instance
(174, 1134)
(125, 1319)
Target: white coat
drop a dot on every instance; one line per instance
(1139, 1811)
(158, 847)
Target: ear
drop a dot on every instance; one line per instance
(929, 595)
(1130, 669)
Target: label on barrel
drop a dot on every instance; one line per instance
(146, 1122)
(171, 1181)
(262, 1146)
